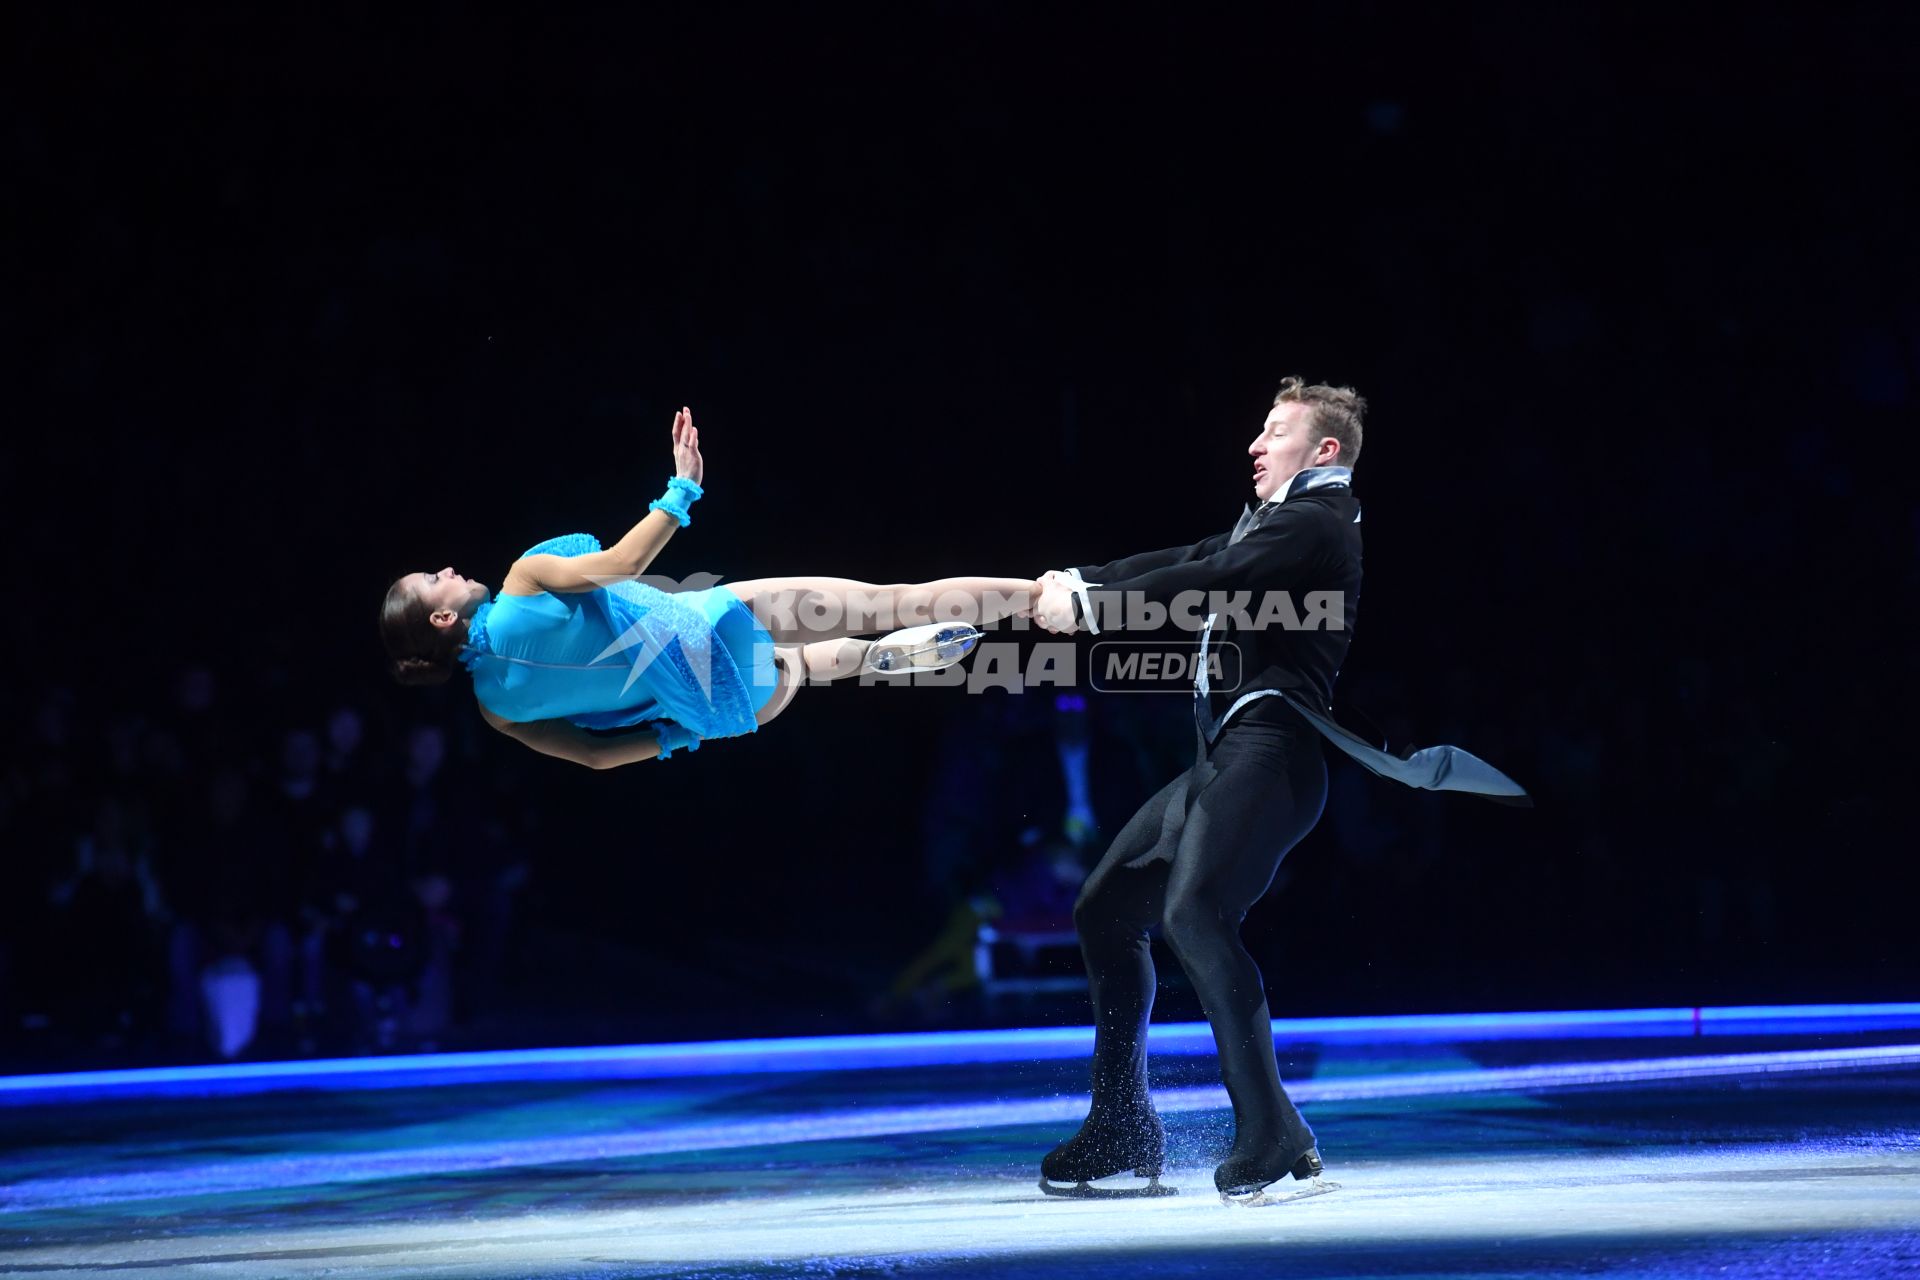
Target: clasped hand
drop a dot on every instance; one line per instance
(1053, 609)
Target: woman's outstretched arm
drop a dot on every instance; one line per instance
(566, 741)
(627, 558)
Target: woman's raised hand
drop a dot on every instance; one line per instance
(687, 463)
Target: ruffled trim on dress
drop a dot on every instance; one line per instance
(478, 644)
(690, 672)
(567, 544)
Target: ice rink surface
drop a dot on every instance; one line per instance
(930, 1171)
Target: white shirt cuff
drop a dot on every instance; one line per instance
(1078, 587)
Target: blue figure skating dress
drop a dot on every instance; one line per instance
(621, 655)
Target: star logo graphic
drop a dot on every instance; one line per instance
(641, 637)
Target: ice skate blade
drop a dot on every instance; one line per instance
(1255, 1197)
(925, 648)
(1087, 1191)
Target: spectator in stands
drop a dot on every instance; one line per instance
(234, 917)
(109, 912)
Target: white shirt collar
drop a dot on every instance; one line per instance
(1313, 478)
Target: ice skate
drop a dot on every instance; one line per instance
(923, 648)
(1133, 1143)
(1245, 1180)
(1126, 1191)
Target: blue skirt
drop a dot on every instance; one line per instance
(705, 660)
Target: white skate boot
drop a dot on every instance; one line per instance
(923, 648)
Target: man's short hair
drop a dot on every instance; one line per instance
(1337, 412)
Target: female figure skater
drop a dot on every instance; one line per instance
(573, 643)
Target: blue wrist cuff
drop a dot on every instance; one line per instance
(681, 493)
(674, 736)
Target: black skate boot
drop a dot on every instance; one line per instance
(1130, 1141)
(1244, 1179)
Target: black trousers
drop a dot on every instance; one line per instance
(1192, 861)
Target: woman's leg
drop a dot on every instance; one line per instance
(820, 661)
(826, 660)
(800, 611)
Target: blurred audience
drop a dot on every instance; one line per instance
(186, 884)
(1026, 793)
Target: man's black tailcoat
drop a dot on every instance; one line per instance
(1310, 542)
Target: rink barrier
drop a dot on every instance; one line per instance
(936, 1048)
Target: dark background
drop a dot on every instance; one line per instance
(292, 309)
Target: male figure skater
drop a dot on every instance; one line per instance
(1206, 847)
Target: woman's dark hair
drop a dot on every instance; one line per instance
(419, 652)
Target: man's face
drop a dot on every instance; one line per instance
(446, 592)
(1285, 447)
